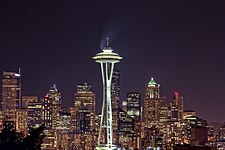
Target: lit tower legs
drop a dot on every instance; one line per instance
(107, 59)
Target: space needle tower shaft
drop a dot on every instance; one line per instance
(107, 58)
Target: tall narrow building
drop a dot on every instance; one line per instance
(34, 111)
(115, 97)
(115, 88)
(55, 96)
(84, 117)
(11, 95)
(21, 123)
(176, 134)
(134, 111)
(153, 104)
(177, 108)
(63, 130)
(134, 105)
(51, 105)
(84, 99)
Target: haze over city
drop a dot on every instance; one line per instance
(179, 44)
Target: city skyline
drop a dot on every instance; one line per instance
(160, 125)
(54, 43)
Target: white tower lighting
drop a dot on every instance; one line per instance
(107, 58)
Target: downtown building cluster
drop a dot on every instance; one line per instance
(139, 121)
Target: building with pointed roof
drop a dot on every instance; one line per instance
(154, 111)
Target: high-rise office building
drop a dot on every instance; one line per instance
(115, 88)
(84, 117)
(153, 104)
(154, 117)
(177, 108)
(115, 97)
(26, 100)
(191, 122)
(21, 123)
(64, 120)
(11, 95)
(51, 105)
(46, 111)
(130, 121)
(34, 111)
(134, 105)
(63, 129)
(11, 101)
(175, 134)
(55, 96)
(84, 99)
(128, 135)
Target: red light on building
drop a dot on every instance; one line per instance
(176, 93)
(46, 96)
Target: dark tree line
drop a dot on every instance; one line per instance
(12, 140)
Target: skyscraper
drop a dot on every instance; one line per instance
(21, 123)
(134, 105)
(153, 104)
(84, 117)
(174, 134)
(63, 129)
(154, 107)
(128, 135)
(64, 120)
(11, 95)
(115, 97)
(51, 105)
(107, 59)
(177, 108)
(34, 111)
(115, 88)
(190, 122)
(55, 96)
(84, 99)
(133, 117)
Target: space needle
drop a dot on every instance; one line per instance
(107, 58)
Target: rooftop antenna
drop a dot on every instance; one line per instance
(54, 87)
(19, 71)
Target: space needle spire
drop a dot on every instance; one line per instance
(107, 58)
(107, 42)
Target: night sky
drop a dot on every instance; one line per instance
(181, 44)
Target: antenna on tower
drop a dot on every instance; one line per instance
(107, 42)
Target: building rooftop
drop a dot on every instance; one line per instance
(152, 83)
(11, 74)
